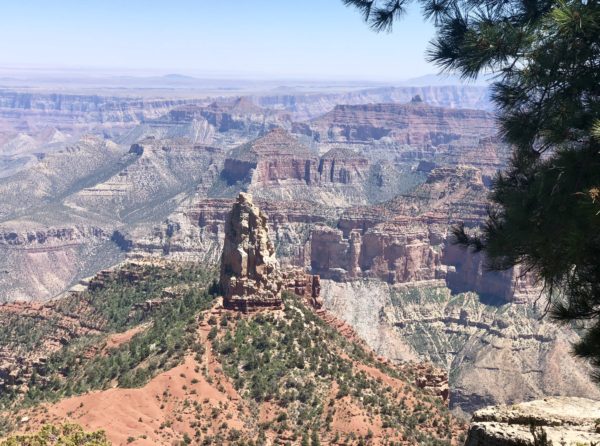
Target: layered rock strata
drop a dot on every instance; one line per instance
(281, 167)
(250, 276)
(405, 240)
(275, 157)
(304, 285)
(560, 420)
(413, 132)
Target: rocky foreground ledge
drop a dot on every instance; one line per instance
(565, 421)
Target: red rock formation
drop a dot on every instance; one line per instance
(343, 166)
(275, 157)
(413, 124)
(419, 132)
(432, 379)
(250, 276)
(304, 285)
(209, 213)
(280, 157)
(396, 252)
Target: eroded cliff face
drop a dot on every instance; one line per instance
(414, 124)
(280, 167)
(367, 204)
(153, 173)
(413, 132)
(395, 252)
(73, 108)
(408, 240)
(35, 124)
(469, 273)
(38, 262)
(309, 105)
(223, 123)
(494, 353)
(405, 240)
(54, 175)
(75, 211)
(267, 160)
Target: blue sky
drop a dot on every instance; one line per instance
(318, 39)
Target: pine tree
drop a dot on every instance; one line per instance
(314, 439)
(305, 441)
(545, 208)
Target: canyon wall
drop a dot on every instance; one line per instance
(494, 353)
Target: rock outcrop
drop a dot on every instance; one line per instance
(561, 420)
(304, 285)
(275, 157)
(395, 252)
(51, 326)
(250, 275)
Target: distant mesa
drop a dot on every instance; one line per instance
(178, 77)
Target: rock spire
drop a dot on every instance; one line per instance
(250, 274)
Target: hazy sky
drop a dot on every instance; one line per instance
(258, 38)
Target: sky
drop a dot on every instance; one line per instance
(311, 39)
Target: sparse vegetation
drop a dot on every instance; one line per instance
(290, 360)
(297, 361)
(161, 346)
(63, 435)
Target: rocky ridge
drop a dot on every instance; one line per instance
(207, 395)
(23, 354)
(309, 105)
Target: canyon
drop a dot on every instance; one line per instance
(358, 192)
(209, 370)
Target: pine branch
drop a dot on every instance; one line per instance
(382, 18)
(364, 6)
